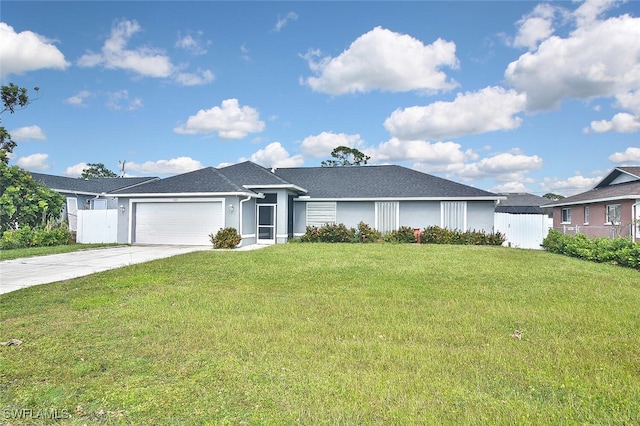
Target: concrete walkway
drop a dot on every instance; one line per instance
(30, 271)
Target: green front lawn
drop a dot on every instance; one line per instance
(330, 334)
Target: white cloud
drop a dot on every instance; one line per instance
(165, 167)
(490, 109)
(229, 120)
(27, 51)
(79, 98)
(244, 53)
(34, 162)
(192, 43)
(571, 186)
(629, 101)
(195, 79)
(384, 60)
(275, 155)
(438, 153)
(120, 101)
(282, 22)
(534, 27)
(321, 145)
(27, 133)
(145, 61)
(630, 155)
(620, 123)
(76, 169)
(597, 59)
(502, 167)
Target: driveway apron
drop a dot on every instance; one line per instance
(30, 271)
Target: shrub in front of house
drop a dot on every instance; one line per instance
(225, 238)
(617, 251)
(44, 236)
(438, 235)
(329, 233)
(366, 234)
(402, 235)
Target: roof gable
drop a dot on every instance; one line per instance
(388, 181)
(207, 180)
(250, 174)
(620, 175)
(621, 191)
(89, 186)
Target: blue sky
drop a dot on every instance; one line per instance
(506, 96)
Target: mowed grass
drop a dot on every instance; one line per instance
(331, 334)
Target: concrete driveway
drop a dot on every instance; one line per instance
(29, 271)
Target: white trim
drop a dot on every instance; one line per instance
(278, 186)
(274, 226)
(595, 200)
(184, 195)
(247, 236)
(308, 199)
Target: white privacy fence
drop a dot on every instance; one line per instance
(97, 226)
(523, 230)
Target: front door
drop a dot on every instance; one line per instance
(266, 224)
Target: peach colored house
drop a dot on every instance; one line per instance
(610, 209)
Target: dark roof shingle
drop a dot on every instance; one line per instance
(389, 181)
(207, 180)
(88, 186)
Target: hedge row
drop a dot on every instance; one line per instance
(26, 237)
(363, 233)
(617, 251)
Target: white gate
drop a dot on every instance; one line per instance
(97, 226)
(522, 230)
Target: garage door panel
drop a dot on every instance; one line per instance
(177, 223)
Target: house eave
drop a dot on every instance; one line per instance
(277, 186)
(594, 200)
(183, 194)
(402, 199)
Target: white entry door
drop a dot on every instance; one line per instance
(266, 224)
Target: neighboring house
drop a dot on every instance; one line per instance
(87, 194)
(610, 209)
(521, 219)
(270, 206)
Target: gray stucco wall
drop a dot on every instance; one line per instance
(415, 214)
(480, 215)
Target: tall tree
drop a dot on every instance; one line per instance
(346, 156)
(13, 97)
(96, 170)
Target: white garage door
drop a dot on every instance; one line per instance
(177, 223)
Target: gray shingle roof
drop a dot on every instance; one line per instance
(88, 186)
(251, 174)
(521, 203)
(389, 181)
(207, 180)
(629, 190)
